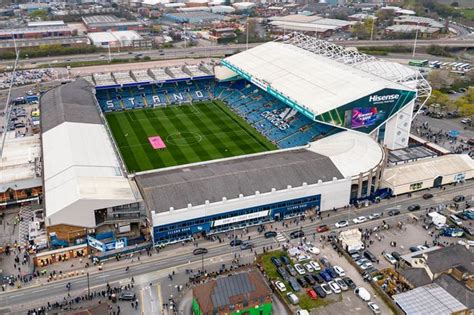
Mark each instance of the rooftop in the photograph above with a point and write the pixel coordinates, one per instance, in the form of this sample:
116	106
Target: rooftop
411	28
231	290
409	154
429	299
456	289
229	178
416	276
73	102
445	258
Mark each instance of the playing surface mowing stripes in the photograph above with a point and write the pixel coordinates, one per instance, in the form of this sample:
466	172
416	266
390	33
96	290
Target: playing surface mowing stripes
192	133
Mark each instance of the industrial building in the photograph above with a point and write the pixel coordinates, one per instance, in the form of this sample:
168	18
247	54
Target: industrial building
312	25
108	23
118	39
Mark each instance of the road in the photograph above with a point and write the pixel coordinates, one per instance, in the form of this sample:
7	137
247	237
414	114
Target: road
169	259
221	50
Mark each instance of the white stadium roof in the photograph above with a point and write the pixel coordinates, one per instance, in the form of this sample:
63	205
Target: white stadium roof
352	153
300	74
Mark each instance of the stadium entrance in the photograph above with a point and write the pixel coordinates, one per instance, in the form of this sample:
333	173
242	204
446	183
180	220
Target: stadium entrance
228	221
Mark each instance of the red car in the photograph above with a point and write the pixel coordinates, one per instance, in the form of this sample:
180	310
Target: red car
322	228
312	294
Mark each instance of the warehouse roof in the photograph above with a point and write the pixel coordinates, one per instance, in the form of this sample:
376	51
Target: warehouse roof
72	102
212	181
429	169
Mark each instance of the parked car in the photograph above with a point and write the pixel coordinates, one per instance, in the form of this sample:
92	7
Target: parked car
308	267
315	265
280	286
300	269
374	308
396	255
370	256
390	258
292	298
285	260
342	223
319	291
326	276
312	294
413	207
334	287
200	251
362	293
270	234
294	284
322	228
302	282
340	272
326	288
291	270
331	272
303	258
325	262
459	198
276	261
317	277
341	284
282	272
349	282
309	279
313	250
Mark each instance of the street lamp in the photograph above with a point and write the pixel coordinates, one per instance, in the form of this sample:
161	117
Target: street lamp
416	38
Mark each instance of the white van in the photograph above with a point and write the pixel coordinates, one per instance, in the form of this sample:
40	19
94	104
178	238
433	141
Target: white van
456	220
293	298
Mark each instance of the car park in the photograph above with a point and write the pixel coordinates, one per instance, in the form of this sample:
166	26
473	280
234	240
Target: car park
315	265
326	288
276	262
200	251
341	284
349	282
319	291
309	267
300	269
292	298
270	234
342	224
334	287
390	258
280	286
302	282
309	279
322	228
340	272
312	294
360	219
374	216
374	308
296	234
291	270
362	293
393	212
413	207
294	284
317	277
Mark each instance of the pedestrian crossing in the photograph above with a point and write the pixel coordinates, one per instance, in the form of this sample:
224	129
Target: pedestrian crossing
281	238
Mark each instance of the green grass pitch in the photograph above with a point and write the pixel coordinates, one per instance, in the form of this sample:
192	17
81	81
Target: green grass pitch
192	133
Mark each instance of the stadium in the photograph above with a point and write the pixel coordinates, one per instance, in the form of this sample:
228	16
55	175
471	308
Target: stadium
273	132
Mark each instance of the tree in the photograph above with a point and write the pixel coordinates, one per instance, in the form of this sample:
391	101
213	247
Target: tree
440	79
40	14
385	16
359	30
438	97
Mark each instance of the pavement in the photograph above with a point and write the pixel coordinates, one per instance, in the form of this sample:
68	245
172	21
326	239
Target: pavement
180	256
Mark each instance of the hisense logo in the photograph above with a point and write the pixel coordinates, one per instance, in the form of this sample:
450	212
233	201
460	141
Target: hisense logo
380	98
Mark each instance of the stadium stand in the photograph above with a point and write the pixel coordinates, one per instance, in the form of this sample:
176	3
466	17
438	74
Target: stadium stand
282	125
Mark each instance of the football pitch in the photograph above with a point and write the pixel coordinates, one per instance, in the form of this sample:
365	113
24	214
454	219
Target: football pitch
191	133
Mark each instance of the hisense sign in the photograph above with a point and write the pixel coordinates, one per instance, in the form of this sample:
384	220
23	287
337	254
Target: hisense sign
383	98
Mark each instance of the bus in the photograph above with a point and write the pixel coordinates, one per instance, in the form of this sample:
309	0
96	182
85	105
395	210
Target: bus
418	63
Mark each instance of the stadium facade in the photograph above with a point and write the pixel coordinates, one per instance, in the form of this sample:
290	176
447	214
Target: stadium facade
329	110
